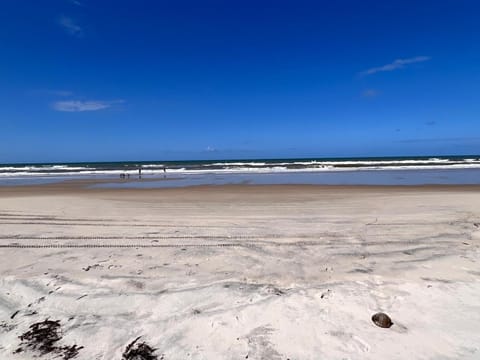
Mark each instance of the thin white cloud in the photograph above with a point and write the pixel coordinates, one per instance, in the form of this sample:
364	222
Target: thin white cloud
51	92
395	65
59	92
448	139
79	106
70	26
76	2
370	93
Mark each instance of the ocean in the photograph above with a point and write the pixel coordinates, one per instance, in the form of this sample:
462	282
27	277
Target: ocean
351	171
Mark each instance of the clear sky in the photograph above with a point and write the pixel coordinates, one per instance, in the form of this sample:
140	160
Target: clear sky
85	80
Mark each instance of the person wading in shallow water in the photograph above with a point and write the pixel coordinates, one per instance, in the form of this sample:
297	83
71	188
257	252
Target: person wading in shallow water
139	173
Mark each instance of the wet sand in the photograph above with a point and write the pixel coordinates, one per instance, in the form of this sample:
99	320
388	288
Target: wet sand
226	272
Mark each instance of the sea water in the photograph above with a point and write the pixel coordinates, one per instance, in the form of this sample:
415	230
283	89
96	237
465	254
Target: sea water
340	171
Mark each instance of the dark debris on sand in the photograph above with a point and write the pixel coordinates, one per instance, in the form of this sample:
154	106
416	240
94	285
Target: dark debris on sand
140	351
5	327
382	320
43	337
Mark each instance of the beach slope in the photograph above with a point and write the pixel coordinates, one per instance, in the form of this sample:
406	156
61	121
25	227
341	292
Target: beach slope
236	272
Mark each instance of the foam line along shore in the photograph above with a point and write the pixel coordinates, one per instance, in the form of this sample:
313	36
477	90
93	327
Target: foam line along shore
238	166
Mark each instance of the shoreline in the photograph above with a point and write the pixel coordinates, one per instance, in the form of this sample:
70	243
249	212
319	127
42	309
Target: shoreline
397	177
88	186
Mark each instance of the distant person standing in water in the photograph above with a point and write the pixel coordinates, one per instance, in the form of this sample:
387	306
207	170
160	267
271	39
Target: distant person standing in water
139	173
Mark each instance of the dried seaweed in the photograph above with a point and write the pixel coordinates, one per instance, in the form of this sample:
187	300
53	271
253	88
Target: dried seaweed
139	351
43	337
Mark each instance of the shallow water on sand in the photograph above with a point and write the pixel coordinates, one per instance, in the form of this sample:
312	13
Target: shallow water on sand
359	177
344	177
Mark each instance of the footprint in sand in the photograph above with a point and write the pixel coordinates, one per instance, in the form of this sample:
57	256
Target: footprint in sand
351	341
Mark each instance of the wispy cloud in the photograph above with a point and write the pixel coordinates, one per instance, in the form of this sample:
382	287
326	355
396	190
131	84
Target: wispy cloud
395	65
59	92
51	92
370	93
79	106
70	26
446	139
76	2
210	149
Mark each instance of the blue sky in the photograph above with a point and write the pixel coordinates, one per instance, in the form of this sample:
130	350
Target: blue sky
85	80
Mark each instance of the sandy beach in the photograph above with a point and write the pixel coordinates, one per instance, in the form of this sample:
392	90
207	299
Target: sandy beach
241	272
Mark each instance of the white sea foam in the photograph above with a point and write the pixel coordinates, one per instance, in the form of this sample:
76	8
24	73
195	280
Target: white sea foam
40	168
241	167
227	163
151	166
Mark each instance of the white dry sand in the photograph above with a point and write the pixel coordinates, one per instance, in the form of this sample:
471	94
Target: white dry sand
257	272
